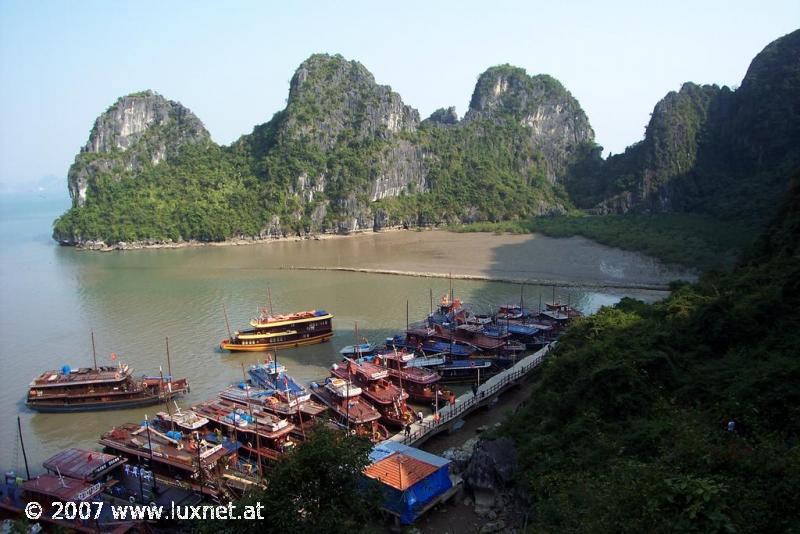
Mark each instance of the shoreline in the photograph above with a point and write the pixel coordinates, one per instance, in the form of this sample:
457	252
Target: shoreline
102	246
484	278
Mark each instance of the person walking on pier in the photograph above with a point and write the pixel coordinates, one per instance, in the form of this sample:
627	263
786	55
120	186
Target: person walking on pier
408	429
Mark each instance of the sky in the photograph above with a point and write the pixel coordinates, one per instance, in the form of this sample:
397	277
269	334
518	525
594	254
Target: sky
63	63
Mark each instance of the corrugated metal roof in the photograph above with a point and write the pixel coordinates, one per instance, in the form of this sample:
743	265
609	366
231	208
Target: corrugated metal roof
82	464
400	471
384	449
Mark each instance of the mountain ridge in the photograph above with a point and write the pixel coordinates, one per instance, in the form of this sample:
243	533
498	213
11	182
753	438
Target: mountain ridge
347	154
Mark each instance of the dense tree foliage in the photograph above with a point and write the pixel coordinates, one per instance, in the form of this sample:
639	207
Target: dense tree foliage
627	428
317	488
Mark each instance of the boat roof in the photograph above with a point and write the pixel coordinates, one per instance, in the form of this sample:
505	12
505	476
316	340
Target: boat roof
265	318
400	471
84	375
388	447
62	488
83	464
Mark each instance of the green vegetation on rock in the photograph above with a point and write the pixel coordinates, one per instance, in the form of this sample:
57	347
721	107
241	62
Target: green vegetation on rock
627	426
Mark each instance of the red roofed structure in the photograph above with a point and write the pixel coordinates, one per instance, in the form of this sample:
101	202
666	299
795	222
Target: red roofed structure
400	471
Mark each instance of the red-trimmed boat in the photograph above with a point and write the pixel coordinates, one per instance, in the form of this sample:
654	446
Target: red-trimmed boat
349	409
376	387
99	388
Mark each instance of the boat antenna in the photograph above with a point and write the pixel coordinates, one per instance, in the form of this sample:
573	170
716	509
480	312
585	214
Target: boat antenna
269	296
521	298
227	324
24	454
94	352
430	290
554	295
169	364
357	345
406	314
540	301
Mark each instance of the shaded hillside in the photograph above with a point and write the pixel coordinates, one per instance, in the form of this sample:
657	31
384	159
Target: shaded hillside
708	149
626	429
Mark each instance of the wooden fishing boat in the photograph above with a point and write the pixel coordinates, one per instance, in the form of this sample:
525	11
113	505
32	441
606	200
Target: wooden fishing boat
421	383
99	388
194	457
387	397
348	408
261	433
270	331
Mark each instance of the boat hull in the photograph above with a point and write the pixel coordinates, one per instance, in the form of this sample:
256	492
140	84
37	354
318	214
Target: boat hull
94	406
226	344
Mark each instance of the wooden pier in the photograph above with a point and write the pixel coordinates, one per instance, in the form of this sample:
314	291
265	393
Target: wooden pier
451	416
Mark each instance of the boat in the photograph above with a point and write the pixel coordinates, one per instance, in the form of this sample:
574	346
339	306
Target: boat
187	420
387	397
356	351
100	388
194	458
273	376
262	434
421	383
352	412
268	331
303	415
419	340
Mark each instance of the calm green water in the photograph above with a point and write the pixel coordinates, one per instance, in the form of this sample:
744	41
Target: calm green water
52	297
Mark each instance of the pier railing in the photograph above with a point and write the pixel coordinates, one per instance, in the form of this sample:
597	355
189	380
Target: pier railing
470	401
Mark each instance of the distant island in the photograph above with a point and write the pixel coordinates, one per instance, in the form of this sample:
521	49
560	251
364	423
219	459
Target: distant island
346	155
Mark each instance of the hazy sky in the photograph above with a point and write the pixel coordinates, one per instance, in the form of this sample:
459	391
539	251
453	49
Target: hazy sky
63	63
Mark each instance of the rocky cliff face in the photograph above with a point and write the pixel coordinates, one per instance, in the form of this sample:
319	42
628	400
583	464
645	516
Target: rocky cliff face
139	129
557	124
346	154
330	96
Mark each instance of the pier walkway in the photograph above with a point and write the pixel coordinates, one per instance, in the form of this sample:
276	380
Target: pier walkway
451	416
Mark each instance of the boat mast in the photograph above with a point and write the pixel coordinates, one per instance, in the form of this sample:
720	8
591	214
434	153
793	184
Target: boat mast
94	352
258	436
357	345
430	290
451	287
227	324
347	396
269	297
149	445
166	401
169	365
24	454
406	314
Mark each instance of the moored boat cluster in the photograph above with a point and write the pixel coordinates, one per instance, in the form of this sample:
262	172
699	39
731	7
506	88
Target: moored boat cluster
218	448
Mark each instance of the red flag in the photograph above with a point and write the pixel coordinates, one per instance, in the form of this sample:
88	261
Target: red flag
113	356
